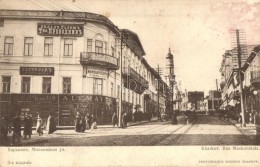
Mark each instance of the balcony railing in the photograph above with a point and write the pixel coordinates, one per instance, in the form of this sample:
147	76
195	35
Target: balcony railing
255	76
134	75
134	81
99	59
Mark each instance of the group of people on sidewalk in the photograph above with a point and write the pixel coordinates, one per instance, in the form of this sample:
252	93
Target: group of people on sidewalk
115	120
12	128
86	122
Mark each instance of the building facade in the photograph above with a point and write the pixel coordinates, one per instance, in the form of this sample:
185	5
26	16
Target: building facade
65	62
231	99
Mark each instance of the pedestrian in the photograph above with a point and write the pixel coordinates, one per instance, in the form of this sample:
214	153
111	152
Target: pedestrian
39	125
240	119
90	121
4	130
174	118
124	120
114	120
9	136
28	123
77	122
83	124
94	122
251	118
16	138
87	121
51	125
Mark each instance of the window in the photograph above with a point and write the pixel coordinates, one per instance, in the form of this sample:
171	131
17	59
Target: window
9	43
48	46
68	47
6	83
98	85
99	47
113	51
133	97
112	89
28	46
89	45
66	85
105	47
46	85
124	94
26	83
128	96
118	91
136	99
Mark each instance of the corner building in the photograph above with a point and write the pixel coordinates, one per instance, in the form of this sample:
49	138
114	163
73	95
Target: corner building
63	62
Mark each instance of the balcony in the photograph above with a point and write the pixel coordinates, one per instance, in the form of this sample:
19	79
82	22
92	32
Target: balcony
99	59
134	75
255	78
134	81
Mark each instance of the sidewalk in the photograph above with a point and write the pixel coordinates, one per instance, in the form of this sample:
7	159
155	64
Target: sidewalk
249	129
69	131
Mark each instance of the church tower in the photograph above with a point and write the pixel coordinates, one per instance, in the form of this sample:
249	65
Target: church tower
170	69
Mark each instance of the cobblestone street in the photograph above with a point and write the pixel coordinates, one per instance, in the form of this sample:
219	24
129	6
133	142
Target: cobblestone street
203	131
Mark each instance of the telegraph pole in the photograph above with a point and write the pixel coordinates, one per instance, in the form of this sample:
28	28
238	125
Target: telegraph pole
240	78
121	82
158	87
217	93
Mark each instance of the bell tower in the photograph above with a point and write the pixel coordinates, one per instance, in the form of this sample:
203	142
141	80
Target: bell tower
170	68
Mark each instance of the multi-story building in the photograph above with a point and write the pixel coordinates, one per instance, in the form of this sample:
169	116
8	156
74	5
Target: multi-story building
214	100
66	62
190	100
230	82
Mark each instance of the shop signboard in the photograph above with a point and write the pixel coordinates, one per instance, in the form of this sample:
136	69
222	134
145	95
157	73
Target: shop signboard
93	72
37	71
56	29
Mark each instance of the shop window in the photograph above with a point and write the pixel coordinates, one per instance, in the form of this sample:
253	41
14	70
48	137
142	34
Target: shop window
99	47
28	46
89	45
8	47
48	46
46	85
6	83
98	85
68	47
66	85
26	84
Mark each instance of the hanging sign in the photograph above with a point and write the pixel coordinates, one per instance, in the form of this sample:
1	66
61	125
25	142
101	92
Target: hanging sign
93	72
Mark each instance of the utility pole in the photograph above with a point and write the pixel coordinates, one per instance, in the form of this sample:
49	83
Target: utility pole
158	87
240	78
212	105
122	36
217	93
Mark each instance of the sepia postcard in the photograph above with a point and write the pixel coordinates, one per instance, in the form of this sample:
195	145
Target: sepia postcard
129	83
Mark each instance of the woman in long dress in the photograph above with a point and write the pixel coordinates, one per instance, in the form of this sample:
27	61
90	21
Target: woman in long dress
39	126
51	125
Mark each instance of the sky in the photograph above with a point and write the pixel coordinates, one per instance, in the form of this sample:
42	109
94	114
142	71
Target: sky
197	31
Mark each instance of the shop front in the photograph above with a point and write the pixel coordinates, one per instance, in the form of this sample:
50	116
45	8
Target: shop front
62	106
